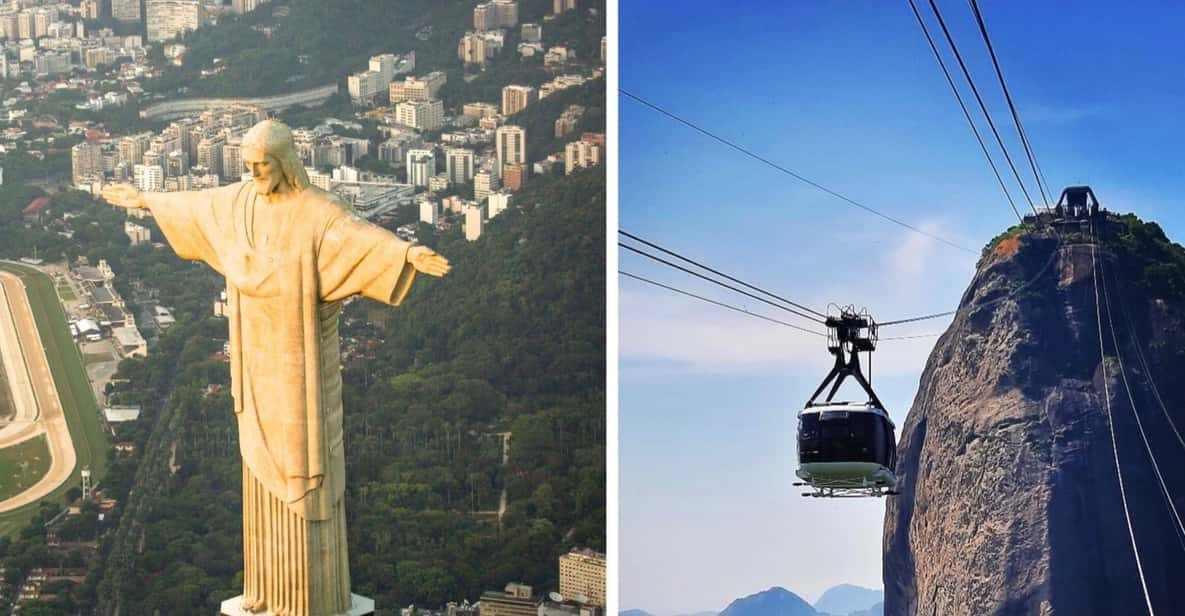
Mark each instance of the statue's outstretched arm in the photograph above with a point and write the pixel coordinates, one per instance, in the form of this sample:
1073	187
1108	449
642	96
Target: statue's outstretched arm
130	197
187	219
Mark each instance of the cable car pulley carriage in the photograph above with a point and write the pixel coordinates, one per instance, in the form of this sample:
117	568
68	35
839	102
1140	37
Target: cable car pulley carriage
847	448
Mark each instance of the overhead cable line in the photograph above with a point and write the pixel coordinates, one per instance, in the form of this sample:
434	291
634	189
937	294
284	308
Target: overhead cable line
793	174
982	106
721	304
1131	331
1135	413
1020	130
719	273
963	106
1111	421
717	282
921	318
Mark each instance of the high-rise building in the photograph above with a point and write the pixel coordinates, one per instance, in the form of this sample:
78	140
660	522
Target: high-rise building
86	159
477	47
582	572
363	87
126	10
25	24
149	178
41	20
459	162
495	14
484	183
232	160
209	154
429	211
89	9
474	225
511	142
10	24
169	18
384	65
515	98
562	6
423	115
421	165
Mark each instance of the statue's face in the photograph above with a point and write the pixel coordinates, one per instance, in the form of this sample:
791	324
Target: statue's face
264	169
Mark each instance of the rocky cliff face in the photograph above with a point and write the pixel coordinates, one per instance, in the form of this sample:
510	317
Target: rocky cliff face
1010	500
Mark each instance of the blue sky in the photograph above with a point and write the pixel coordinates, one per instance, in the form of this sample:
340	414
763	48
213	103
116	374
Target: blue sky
847	94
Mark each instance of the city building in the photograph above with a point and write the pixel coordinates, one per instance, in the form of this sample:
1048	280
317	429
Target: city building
474	225
495	14
364	87
568	120
421	165
517	600
515	98
588	151
459	165
499	202
514	176
479	110
86	160
169	18
429	211
531	33
511	144
136	234
484	183
562	6
149	178
422	115
582	572
126	10
89	9
417	88
477	47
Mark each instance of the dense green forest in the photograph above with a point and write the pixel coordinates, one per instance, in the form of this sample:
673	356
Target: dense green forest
318	43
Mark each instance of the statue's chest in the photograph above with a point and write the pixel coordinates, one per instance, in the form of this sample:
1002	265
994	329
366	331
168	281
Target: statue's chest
269	242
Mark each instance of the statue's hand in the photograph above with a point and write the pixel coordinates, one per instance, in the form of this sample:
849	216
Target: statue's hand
426	260
123	195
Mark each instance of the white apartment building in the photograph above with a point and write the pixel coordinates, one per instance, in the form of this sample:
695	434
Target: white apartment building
511	144
422	115
421	165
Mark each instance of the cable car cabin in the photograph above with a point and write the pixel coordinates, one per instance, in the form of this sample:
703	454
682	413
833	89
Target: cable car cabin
847	449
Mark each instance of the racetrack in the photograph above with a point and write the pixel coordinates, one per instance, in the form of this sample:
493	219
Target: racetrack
38	408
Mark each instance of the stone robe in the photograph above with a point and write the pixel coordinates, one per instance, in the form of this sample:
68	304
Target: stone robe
287	266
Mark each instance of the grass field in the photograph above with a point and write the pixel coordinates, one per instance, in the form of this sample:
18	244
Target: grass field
69	373
66	293
22	465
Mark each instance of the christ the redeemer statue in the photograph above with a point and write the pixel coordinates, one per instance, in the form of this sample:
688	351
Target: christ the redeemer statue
290	253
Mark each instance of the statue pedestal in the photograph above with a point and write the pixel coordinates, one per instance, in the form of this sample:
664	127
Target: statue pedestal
360	606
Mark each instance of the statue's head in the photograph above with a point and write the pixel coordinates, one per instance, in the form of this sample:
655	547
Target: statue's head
269	152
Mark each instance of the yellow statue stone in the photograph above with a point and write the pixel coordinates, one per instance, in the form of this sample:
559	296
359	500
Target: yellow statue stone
290	253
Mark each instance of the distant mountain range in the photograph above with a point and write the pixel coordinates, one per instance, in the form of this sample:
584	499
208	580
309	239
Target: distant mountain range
849	600
842	600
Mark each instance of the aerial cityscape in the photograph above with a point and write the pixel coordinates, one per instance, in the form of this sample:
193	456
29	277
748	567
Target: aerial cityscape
474	413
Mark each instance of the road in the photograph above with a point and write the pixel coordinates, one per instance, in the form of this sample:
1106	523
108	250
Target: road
39	410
